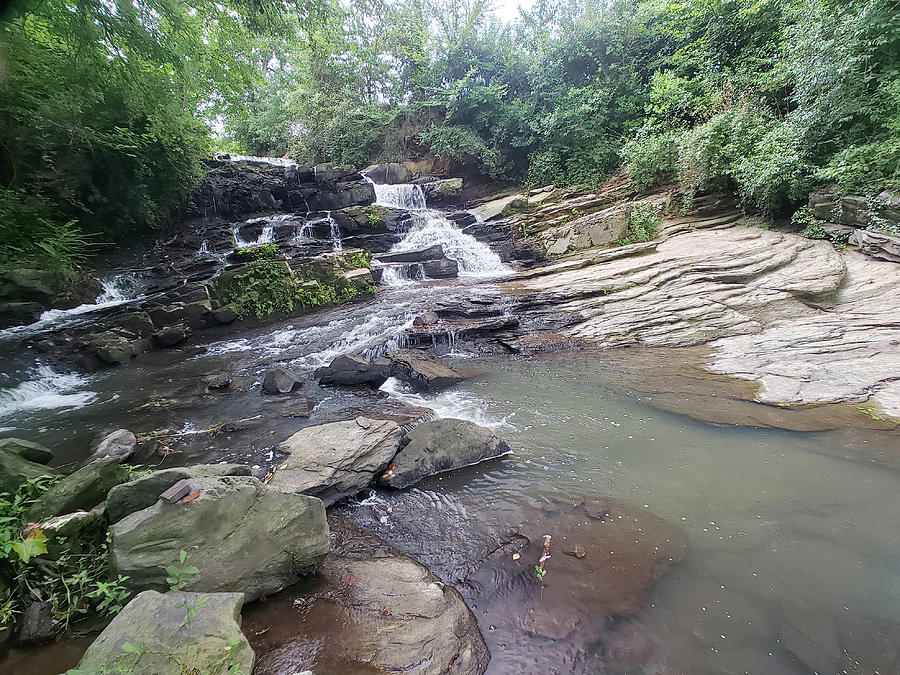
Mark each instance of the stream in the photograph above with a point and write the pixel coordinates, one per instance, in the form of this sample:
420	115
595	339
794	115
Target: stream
785	546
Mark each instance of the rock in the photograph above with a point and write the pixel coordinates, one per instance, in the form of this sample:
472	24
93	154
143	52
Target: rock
28	450
493	208
138	323
877	245
823	205
426	319
21	284
336	460
79	532
248	537
395	617
440	269
224	314
837	232
164	317
361	279
350	370
441	445
141	493
421	371
83	489
443	191
515	205
295	407
15	470
574	550
280	380
19	313
119	445
152	622
388	174
413	255
171	336
36	625
220	380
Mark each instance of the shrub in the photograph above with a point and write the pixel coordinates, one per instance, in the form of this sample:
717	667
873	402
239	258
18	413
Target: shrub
643	224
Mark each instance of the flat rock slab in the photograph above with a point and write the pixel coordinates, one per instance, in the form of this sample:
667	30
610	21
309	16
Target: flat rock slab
336	460
242	535
391	614
151	624
353	370
422	371
441	445
809	323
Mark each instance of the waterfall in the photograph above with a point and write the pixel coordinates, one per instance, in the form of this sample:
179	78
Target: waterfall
335	232
475	259
401	196
45	390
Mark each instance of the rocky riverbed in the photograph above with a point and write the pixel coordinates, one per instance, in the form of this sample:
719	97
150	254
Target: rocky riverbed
369	485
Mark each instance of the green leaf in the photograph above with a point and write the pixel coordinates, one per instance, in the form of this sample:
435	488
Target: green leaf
33	545
129	648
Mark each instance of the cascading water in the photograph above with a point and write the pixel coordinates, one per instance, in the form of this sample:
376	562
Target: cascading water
430	227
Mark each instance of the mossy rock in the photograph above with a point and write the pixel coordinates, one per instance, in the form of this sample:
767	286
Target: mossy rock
15	470
83	489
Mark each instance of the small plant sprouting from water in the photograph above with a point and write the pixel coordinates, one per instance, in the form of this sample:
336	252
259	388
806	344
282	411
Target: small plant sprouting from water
540	570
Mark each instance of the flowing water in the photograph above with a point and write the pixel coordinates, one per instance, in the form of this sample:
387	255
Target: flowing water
790	561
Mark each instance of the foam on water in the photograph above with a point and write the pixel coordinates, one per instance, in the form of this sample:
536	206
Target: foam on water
47	389
459	405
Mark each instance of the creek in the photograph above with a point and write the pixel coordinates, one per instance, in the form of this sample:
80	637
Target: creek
784	545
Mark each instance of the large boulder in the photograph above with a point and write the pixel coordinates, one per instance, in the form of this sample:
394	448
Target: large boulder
421	371
443	191
440	269
395	617
81	490
388	174
352	370
280	380
14	470
29	450
119	444
242	535
442	445
139	494
153	625
336	460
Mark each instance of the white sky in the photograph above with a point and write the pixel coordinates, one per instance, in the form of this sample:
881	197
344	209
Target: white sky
509	9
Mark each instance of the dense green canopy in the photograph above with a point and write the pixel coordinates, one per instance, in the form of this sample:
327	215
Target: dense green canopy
106	105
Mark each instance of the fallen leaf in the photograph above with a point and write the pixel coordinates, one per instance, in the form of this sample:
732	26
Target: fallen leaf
191	497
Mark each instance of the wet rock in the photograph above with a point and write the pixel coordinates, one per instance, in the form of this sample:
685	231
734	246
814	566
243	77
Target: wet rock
426	319
119	445
138	323
351	370
441	445
461	218
295	407
575	550
421	371
36	626
395	617
413	255
336	460
163	317
19	313
73	533
15	470
153	622
877	245
217	380
440	269
361	279
280	380
144	492
83	489
28	285
28	450
171	336
224	315
244	535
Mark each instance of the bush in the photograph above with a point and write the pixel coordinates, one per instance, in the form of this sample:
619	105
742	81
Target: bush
651	158
643	224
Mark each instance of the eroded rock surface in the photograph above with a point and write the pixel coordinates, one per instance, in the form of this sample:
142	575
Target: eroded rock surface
809	323
336	460
243	536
